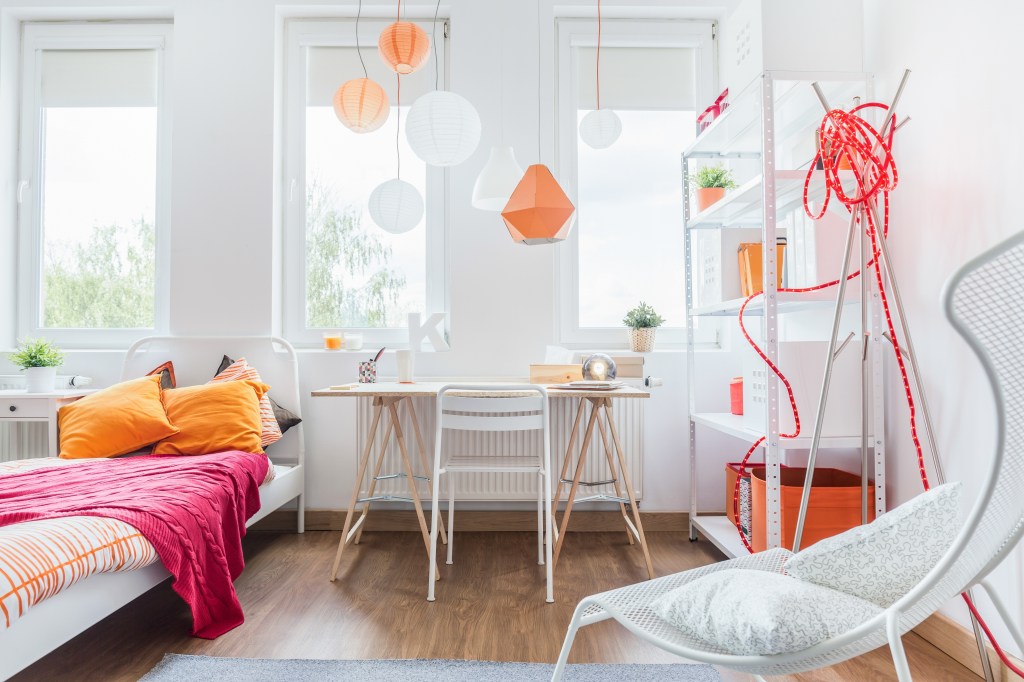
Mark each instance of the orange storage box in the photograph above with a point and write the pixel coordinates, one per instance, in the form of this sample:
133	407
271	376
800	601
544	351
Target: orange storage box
834	505
749	255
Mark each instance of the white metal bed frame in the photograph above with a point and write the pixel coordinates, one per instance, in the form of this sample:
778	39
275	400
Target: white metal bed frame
56	620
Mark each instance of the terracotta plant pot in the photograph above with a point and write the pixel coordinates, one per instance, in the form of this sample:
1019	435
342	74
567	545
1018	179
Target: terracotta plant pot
642	340
708	195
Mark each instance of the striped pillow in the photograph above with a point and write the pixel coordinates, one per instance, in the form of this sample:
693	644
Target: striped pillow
241	370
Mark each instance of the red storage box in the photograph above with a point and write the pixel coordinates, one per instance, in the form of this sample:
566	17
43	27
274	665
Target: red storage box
736	396
834	505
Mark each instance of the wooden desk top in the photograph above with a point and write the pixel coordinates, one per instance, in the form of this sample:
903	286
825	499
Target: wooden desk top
384	389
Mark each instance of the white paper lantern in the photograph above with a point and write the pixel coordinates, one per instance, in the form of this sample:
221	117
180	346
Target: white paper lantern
443	128
396	206
600	128
497	180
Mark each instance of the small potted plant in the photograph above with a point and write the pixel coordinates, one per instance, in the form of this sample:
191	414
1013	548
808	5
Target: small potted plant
642	322
710	183
39	359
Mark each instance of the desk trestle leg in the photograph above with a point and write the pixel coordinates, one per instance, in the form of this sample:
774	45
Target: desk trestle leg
601	418
352	532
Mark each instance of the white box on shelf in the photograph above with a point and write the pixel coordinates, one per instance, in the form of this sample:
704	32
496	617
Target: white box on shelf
803	364
789	35
716	267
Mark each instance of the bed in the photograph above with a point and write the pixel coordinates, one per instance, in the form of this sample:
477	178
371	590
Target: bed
57	619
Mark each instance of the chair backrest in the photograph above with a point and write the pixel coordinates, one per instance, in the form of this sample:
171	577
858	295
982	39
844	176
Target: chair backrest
497	407
983	301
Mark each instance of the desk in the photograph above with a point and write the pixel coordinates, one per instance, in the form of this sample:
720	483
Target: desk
18	406
389	396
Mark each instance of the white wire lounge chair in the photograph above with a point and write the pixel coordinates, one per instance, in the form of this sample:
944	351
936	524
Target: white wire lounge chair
983	301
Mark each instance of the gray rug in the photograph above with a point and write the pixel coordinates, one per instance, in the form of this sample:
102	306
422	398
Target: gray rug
174	668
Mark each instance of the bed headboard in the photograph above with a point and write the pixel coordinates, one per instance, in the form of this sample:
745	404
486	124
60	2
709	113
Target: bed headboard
196	359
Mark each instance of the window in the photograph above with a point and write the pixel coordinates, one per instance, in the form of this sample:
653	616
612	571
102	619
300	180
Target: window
93	177
627	245
342	271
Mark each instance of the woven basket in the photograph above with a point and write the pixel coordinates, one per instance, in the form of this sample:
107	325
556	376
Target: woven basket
642	340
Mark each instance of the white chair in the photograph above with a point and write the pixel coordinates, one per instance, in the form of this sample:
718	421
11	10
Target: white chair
983	302
503	407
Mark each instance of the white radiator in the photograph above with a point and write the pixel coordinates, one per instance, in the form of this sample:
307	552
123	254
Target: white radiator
629	422
21	440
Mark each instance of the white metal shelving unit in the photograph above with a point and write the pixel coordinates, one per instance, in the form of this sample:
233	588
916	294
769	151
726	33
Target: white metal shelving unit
775	109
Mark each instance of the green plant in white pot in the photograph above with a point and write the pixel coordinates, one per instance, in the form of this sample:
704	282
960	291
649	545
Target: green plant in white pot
39	359
642	322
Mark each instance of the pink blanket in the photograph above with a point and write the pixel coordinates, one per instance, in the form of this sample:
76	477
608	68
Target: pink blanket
192	509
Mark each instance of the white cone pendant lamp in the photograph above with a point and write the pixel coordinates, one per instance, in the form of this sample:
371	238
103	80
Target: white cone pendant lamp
396	206
443	128
497	180
600	128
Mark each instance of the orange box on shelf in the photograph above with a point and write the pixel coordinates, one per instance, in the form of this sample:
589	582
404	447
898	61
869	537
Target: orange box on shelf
750	259
834	505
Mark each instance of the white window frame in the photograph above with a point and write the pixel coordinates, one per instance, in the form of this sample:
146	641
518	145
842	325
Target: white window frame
299	35
572	33
36	37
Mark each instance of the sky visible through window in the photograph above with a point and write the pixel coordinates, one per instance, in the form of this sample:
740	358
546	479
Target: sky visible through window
349	166
98	172
631	219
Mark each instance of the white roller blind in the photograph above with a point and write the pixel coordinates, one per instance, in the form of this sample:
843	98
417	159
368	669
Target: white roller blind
99	78
328	67
640	78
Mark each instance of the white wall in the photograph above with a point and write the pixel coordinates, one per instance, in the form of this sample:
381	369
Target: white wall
225	233
959	172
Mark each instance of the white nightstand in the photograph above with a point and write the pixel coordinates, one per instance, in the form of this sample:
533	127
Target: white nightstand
19	406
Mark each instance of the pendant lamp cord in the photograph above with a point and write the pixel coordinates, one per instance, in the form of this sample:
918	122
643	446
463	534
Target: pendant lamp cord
433	42
359	50
398	106
501	80
398	121
538	84
597	76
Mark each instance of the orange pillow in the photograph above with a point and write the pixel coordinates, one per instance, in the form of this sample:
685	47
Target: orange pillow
213	418
114	421
242	370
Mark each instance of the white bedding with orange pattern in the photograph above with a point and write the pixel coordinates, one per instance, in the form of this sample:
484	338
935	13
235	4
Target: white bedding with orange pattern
39	559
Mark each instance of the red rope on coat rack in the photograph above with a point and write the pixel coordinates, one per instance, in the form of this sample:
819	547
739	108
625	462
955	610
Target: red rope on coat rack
846	134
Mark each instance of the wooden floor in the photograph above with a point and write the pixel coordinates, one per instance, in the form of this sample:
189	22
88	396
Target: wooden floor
490	606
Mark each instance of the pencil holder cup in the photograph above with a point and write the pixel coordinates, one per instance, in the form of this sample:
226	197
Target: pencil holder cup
368	372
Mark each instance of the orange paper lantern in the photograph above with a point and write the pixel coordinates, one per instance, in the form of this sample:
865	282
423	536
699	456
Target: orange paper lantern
404	46
361	104
538	212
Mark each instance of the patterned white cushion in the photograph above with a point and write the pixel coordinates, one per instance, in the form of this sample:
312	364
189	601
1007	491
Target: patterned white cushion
883	560
747	612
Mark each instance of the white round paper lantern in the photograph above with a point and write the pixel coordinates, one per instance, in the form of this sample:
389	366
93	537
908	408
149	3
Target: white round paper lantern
600	128
396	206
443	128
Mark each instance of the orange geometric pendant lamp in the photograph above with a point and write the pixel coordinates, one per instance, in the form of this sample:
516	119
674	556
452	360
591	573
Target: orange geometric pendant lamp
538	212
